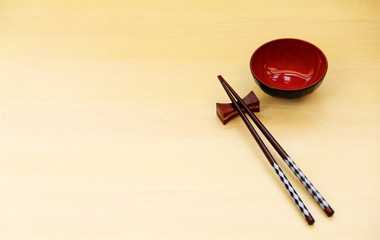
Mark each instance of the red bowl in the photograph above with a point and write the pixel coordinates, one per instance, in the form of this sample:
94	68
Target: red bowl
288	67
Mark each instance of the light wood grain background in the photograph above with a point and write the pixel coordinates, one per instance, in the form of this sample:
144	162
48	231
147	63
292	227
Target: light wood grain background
108	127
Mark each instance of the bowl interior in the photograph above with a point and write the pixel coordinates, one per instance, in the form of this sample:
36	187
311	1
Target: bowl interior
288	64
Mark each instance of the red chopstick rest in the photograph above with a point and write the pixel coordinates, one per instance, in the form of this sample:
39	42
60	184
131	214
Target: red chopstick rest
227	111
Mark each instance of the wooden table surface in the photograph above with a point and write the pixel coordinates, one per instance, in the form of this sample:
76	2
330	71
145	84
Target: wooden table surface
108	125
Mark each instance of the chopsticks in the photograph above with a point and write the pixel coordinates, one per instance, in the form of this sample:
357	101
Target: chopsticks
291	164
238	102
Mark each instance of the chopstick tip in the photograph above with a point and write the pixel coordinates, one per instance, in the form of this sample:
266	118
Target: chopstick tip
221	79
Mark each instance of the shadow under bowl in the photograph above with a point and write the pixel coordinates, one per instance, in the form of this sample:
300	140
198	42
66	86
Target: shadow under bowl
288	67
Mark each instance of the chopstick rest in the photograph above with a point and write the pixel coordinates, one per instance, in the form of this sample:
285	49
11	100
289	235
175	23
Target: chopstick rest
227	111
295	169
292	192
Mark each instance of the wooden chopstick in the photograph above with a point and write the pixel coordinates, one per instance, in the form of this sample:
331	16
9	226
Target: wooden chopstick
301	206
291	164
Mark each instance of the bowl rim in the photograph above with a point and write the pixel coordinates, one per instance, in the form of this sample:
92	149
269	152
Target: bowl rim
290	90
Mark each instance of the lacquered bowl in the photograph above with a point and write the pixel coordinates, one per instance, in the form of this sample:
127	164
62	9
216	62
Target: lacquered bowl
288	67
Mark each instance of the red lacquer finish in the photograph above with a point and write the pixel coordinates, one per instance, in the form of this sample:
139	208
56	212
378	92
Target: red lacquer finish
288	67
329	211
310	220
